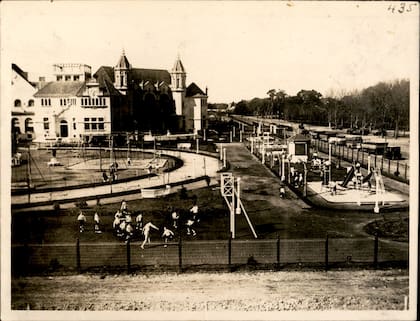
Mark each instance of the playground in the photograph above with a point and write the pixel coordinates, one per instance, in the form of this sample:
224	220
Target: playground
358	189
61	167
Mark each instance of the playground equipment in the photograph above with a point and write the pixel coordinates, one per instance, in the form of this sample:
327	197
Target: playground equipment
379	190
232	197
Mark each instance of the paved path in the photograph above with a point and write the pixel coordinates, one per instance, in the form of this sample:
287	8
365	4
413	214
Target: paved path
195	165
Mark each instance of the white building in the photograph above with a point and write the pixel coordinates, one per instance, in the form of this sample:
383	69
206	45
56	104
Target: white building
23	103
71	110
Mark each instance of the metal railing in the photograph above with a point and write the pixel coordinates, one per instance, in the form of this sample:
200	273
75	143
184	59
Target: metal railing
392	168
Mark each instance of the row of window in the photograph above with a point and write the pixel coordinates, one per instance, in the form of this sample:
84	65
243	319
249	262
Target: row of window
90	124
67	101
18	103
28	125
45	102
100	101
68	78
94	124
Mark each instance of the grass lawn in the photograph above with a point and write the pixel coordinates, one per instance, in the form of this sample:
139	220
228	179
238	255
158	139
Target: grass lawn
268	214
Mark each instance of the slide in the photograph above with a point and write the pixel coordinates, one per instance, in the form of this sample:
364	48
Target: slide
367	177
348	177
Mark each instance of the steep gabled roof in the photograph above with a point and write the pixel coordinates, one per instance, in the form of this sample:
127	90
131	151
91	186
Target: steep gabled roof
105	77
22	73
178	66
61	89
123	62
194	90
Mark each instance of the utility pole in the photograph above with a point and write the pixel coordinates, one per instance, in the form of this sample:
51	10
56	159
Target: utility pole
28	176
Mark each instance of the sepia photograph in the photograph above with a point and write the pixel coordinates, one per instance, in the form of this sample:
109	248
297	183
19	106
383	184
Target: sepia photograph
209	160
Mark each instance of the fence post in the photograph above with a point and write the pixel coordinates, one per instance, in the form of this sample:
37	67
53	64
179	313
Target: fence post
405	171
382	163
180	254
398	166
78	255
230	251
363	158
326	253
375	160
389	166
128	256
375	251
278	252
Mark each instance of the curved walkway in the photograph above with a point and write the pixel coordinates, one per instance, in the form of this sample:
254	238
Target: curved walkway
195	166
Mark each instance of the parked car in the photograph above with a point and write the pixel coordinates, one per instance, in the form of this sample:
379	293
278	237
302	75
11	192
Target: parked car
379	132
393	152
358	131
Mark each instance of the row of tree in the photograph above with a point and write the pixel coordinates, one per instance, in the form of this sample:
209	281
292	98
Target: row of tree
383	106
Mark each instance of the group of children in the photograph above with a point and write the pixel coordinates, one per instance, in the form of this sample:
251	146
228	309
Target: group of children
126	229
81	219
113	176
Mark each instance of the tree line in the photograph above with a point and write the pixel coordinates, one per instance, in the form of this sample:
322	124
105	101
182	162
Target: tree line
384	106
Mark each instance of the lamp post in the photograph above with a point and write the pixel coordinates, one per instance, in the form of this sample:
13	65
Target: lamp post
282	168
329	160
238	185
305	182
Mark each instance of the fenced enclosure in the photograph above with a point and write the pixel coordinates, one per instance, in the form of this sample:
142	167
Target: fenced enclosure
181	255
391	168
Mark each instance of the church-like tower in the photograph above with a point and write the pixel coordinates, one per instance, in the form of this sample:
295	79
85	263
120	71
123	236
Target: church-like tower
178	85
122	74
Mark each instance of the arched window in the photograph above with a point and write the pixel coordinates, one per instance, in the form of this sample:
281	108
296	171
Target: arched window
18	103
29	125
15	126
31	103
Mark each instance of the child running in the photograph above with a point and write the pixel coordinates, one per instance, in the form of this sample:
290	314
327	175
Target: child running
175	218
81	218
146	233
97	221
139	222
167	235
189	224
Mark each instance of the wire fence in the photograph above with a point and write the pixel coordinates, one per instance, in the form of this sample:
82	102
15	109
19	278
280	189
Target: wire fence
231	253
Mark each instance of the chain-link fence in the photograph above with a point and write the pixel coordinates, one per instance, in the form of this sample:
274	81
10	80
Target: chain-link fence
277	253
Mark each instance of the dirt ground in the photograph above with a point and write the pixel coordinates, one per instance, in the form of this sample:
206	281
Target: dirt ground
249	291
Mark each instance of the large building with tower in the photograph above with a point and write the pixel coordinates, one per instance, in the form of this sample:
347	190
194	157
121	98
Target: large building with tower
80	106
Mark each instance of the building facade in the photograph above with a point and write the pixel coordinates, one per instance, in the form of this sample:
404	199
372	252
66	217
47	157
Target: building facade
71	110
78	106
23	104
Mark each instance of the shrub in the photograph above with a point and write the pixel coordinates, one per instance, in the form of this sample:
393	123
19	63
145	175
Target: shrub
81	204
56	207
183	193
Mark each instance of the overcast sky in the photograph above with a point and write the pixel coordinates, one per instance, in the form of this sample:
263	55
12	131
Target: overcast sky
239	50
